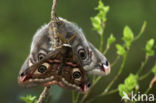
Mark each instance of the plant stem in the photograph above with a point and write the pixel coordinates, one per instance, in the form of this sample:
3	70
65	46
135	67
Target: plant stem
53	29
43	95
108	93
145	75
102	36
142	65
77	97
73	97
147	91
152	82
106	50
141	31
115	61
101	42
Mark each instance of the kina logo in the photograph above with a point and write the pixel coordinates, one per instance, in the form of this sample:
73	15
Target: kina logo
138	97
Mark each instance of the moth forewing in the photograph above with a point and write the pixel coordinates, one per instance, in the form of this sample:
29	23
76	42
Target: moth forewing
28	74
56	68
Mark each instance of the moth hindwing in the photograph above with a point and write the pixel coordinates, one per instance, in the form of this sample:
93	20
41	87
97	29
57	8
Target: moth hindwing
61	67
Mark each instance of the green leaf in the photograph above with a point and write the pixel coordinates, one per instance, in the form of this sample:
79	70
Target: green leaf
154	69
29	99
111	39
128	36
149	46
131	82
99	20
120	50
96	22
121	89
102	7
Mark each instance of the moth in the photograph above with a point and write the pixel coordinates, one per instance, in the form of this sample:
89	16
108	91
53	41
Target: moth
93	61
61	67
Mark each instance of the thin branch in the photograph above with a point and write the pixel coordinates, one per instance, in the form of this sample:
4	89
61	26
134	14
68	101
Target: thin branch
145	75
115	61
152	82
141	31
53	26
106	50
148	90
97	96
77	98
43	95
53	10
73	97
143	65
53	35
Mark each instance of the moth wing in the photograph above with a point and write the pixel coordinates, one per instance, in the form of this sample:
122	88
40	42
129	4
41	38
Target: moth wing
25	65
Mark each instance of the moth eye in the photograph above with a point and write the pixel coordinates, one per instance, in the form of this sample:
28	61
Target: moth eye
82	53
41	56
107	63
76	75
42	69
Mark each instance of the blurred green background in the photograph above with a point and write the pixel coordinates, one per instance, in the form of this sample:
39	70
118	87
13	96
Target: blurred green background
19	20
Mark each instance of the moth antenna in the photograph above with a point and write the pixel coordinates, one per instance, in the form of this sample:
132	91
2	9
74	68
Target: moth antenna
62	38
71	38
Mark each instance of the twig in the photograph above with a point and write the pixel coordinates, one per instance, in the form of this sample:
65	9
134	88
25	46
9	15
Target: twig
53	36
152	82
77	97
53	26
43	95
53	10
115	61
147	91
143	65
145	75
97	96
102	37
141	31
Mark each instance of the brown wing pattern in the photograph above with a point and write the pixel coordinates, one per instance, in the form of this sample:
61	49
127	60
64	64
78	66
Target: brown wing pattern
60	67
